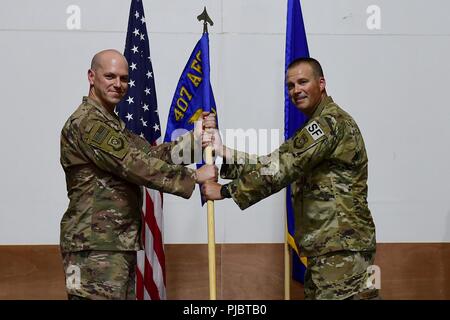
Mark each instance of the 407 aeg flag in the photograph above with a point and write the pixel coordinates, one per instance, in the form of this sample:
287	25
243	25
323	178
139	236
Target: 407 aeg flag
193	94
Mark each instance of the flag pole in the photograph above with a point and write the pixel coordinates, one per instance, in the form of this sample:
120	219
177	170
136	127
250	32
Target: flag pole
210	204
287	265
211	237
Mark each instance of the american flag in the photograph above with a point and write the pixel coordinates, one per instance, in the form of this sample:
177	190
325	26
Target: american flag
139	111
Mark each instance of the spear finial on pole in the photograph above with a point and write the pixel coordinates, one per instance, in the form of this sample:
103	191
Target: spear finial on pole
206	19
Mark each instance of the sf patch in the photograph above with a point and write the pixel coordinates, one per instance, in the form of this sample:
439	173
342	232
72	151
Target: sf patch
107	139
314	130
309	136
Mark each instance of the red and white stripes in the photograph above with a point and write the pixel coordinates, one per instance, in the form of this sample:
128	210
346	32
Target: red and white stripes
151	269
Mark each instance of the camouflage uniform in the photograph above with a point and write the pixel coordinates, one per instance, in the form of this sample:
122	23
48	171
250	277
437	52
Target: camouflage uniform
326	164
104	165
339	275
95	274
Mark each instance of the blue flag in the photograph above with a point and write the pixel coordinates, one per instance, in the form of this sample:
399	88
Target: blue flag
193	94
296	47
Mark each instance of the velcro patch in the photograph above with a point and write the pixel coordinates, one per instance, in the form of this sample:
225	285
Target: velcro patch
105	138
300	141
116	143
100	134
314	130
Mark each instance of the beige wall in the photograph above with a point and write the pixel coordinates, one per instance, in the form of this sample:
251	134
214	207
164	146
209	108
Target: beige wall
391	80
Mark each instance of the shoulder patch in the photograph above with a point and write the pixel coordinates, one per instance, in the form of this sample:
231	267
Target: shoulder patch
117	143
314	130
310	135
107	139
100	134
300	141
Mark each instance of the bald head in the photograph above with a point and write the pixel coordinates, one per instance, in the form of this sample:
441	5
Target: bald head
108	78
107	55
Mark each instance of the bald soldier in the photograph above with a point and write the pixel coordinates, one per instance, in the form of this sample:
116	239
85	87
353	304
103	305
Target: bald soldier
105	165
326	164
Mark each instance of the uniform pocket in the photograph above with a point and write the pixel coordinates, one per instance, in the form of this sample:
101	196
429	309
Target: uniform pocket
319	187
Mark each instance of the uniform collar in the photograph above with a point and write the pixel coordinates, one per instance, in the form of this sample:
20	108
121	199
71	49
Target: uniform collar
116	120
325	101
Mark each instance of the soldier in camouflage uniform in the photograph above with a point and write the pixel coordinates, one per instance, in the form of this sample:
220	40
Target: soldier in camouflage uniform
325	163
105	165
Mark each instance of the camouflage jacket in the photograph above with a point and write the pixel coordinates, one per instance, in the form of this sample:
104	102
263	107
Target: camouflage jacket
326	164
104	165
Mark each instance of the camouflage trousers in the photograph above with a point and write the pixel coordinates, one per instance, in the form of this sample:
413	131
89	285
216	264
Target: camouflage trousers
100	275
340	275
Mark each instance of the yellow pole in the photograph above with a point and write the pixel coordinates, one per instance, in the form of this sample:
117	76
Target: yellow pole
211	237
210	204
287	267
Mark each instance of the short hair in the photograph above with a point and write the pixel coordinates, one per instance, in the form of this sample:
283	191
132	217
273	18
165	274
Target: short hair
315	65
